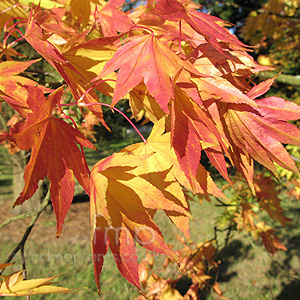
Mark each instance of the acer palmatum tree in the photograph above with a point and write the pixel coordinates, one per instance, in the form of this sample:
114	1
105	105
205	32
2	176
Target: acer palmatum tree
180	69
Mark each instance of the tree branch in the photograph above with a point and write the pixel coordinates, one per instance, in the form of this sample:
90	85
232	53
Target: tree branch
18	217
283	78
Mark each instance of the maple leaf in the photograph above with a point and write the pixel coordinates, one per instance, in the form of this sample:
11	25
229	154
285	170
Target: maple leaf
273	107
84	61
267	195
146	58
221	89
236	66
112	20
15	285
77	64
206	25
161	170
245	217
12	86
269	239
87	126
54	152
278	108
122	205
261	88
261	137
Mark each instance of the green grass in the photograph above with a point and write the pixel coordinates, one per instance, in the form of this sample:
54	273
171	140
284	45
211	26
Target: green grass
247	271
76	266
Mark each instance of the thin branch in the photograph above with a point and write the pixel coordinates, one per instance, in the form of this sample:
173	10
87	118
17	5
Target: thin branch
29	228
18	217
223	203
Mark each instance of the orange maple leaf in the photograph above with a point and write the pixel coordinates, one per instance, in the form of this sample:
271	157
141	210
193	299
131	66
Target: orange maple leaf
54	152
111	19
146	58
206	25
261	137
164	158
267	195
269	239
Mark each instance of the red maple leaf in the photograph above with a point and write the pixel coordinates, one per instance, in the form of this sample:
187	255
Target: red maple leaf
54	152
206	25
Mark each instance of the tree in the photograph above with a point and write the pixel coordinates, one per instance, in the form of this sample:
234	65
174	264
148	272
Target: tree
180	69
274	30
233	11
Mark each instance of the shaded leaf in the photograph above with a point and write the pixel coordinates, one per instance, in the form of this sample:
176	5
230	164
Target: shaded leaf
121	205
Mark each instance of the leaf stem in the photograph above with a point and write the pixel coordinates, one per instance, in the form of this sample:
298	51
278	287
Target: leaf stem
142	27
117	110
14	42
6	30
80	104
90	88
179	49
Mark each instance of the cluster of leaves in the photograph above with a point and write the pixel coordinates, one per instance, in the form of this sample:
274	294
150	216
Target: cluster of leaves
196	262
245	207
179	68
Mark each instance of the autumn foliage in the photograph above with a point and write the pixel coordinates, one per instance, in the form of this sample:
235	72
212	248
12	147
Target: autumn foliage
14	285
180	69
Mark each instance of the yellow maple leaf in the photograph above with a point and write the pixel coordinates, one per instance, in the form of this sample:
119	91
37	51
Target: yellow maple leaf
15	285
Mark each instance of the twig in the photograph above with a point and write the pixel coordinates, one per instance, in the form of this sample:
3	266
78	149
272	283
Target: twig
29	228
223	203
18	217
